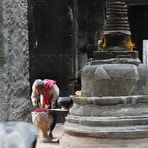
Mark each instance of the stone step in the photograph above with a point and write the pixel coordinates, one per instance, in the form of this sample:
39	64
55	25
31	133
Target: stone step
116	7
125	24
109	111
116	28
116	22
114	19
109	121
111	100
111	132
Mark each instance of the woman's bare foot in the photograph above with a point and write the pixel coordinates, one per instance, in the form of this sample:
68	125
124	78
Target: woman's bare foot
50	135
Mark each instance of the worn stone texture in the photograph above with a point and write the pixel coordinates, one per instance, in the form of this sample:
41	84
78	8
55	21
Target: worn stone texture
103	79
14	88
50	41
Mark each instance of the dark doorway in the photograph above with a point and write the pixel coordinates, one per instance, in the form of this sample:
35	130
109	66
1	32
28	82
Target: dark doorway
138	24
50	37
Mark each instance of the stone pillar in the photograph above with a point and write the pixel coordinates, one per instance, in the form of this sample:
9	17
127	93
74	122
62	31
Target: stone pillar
14	99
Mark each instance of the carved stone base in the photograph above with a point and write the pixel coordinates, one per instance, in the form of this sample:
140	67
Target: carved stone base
115	121
112	110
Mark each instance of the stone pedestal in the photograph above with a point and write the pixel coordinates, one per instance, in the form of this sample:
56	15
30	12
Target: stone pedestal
119	121
112	110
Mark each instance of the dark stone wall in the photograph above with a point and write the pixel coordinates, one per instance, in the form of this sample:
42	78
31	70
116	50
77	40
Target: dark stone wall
14	61
138	24
62	36
90	22
137	2
50	34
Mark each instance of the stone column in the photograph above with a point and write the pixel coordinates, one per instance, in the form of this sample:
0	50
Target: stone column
3	100
14	100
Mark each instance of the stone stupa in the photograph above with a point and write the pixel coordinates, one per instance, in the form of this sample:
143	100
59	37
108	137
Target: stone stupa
112	110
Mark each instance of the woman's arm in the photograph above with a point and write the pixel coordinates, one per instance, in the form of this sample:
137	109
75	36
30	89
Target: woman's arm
54	92
34	96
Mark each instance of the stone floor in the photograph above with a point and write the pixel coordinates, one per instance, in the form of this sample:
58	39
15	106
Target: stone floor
57	133
103	143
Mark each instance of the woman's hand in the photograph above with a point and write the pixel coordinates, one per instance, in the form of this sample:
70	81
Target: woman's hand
34	103
47	106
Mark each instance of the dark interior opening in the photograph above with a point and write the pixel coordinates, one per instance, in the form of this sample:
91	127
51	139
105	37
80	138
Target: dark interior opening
138	24
50	48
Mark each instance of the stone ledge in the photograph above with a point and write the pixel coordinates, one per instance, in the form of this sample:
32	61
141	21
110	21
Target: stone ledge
108	121
103	55
127	132
109	100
